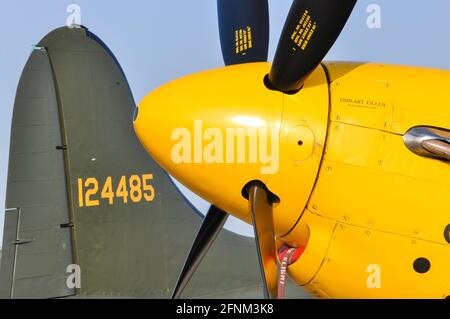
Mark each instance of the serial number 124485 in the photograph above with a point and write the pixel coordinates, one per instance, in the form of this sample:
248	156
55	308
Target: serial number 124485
133	188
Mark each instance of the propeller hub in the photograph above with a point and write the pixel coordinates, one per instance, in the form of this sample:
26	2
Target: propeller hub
218	130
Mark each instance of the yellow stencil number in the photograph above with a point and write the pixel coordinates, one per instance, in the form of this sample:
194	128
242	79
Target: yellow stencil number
91	185
107	192
136	188
149	191
122	189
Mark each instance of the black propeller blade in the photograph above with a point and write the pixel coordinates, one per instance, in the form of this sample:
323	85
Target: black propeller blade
244	30
210	229
260	203
310	31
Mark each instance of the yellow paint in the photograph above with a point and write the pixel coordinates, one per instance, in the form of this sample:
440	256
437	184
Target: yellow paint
383	176
305	117
317	232
365	205
80	193
122	189
91	185
135	187
420	95
304	30
235	100
107	192
344	273
177	106
391	205
244	40
147	187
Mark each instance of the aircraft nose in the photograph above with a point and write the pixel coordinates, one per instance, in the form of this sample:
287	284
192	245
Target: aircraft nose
214	132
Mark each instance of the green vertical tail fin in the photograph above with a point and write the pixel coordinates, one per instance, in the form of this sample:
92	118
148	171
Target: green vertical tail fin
89	213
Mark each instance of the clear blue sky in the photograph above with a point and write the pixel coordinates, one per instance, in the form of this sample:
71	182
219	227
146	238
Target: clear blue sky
157	41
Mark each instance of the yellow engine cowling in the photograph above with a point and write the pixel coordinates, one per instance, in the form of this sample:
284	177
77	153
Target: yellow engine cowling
186	126
378	216
373	214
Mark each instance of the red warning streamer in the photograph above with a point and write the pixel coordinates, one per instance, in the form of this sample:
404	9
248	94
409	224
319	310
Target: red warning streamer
288	256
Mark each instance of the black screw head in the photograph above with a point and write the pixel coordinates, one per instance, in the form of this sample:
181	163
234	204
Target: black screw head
422	265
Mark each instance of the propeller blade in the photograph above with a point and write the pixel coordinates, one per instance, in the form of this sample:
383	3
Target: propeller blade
244	30
261	208
210	229
310	31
